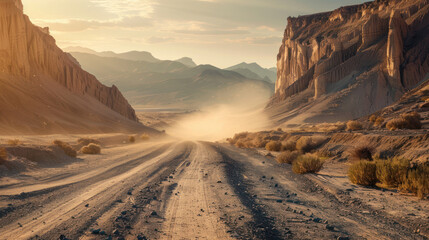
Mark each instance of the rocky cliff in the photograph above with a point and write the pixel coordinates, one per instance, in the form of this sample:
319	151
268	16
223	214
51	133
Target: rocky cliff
29	52
357	59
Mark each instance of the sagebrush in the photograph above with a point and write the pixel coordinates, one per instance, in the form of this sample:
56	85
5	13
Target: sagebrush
287	157
307	164
362	153
87	141
92	148
67	148
274	146
392	172
406	121
363	173
354	126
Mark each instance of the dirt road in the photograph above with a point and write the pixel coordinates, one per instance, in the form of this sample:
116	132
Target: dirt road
198	190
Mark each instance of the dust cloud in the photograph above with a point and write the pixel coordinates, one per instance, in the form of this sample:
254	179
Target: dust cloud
241	109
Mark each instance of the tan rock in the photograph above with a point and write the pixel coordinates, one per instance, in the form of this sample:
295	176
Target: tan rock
29	51
365	55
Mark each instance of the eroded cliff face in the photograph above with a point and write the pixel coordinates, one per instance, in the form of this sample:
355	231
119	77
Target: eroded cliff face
30	52
383	43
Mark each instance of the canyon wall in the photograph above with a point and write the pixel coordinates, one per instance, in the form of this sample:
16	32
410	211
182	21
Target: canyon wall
30	52
321	50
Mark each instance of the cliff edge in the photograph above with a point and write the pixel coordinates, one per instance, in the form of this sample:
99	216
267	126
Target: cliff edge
29	52
350	62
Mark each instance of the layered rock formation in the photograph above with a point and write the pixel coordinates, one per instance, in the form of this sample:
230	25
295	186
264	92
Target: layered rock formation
374	52
29	52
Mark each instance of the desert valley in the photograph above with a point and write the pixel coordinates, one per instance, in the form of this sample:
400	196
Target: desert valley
332	143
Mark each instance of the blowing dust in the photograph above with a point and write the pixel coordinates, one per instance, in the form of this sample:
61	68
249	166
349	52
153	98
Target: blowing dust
242	112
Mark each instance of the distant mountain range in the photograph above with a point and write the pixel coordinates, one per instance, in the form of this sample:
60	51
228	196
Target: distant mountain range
153	83
253	70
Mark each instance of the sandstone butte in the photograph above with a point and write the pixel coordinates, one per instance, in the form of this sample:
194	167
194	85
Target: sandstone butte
352	61
29	52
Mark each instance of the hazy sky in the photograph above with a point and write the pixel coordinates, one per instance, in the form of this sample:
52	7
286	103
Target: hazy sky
217	32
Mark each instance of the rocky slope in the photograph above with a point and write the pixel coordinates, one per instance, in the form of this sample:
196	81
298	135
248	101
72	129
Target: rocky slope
350	62
28	52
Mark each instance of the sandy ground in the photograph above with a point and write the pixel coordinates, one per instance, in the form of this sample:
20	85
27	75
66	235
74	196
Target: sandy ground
198	190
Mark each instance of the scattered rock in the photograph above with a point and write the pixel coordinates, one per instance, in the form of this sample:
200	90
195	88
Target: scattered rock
154	213
96	231
87	205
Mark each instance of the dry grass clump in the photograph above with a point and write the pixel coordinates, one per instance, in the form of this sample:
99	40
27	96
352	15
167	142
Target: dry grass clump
287	157
92	148
363	173
14	142
372	118
362	153
68	150
354	126
289	146
87	141
417	181
145	137
308	144
379	121
237	137
307	164
392	172
3	155
274	146
406	121
131	139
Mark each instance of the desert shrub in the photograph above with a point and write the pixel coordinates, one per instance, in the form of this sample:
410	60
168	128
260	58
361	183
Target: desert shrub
406	121
305	144
238	136
372	118
362	153
289	146
87	141
417	181
131	139
379	121
363	173
3	155
145	137
14	142
279	129
354	126
240	143
92	148
287	157
68	150
307	164
245	143
392	172
275	146
259	142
